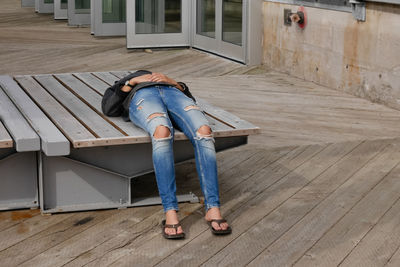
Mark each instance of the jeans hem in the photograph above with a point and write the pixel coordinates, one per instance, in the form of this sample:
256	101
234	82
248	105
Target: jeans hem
209	206
171	208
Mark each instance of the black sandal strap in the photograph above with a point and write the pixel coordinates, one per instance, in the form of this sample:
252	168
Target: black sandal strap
218	221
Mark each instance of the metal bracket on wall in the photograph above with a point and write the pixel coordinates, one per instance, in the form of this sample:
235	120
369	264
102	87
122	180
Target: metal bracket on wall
358	9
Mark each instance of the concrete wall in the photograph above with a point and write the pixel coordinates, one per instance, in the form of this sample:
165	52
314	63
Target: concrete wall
335	50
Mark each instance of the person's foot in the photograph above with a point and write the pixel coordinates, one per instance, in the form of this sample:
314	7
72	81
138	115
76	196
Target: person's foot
171	218
215	214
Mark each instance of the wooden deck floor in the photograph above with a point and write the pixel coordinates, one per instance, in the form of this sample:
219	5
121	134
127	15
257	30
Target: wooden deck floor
319	187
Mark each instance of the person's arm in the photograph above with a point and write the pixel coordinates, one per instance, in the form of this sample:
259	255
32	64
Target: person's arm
115	95
111	104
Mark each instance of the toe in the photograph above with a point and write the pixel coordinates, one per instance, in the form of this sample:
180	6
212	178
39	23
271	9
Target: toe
180	231
216	226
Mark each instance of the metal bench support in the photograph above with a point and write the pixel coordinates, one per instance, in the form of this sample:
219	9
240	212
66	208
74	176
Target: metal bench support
18	180
101	177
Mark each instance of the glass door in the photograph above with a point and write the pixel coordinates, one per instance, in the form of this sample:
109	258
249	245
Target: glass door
158	23
79	12
220	27
27	3
60	9
44	6
109	18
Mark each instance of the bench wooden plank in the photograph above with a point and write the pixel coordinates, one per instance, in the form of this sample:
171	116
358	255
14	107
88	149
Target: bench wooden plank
64	120
79	96
121	74
24	136
239	125
84	113
5	139
106	77
53	142
93	99
92	81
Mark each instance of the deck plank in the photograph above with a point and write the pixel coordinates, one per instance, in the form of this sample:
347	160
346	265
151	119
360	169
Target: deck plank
395	259
343	237
275	224
54	234
132	222
11	218
381	243
29	227
295	242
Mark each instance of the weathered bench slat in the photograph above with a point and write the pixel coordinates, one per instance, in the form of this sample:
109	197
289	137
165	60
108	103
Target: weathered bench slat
53	142
5	138
106	77
121	74
95	83
235	122
24	136
93	99
64	120
79	109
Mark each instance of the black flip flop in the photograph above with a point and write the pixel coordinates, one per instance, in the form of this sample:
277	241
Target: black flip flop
174	226
227	231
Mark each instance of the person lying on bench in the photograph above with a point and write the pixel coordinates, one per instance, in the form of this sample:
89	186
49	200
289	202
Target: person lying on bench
155	103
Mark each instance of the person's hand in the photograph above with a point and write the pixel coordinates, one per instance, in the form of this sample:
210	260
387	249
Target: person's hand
140	79
135	81
159	77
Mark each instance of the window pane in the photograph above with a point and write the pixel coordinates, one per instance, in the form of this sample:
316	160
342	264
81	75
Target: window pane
114	11
232	21
48	1
158	16
64	4
82	6
206	18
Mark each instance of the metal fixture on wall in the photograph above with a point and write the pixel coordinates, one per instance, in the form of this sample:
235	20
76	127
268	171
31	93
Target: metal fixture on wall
298	17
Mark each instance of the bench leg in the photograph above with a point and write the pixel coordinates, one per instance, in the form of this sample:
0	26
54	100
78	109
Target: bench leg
18	179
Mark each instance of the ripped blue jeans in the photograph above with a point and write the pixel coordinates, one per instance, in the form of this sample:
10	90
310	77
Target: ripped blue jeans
156	106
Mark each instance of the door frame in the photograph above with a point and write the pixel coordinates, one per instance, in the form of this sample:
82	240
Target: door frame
252	33
42	7
217	45
75	19
27	3
60	13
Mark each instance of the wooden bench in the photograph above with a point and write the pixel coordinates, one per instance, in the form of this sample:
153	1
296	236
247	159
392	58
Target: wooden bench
18	158
106	153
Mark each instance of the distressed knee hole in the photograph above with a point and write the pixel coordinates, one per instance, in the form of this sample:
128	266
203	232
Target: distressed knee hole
191	107
162	132
204	131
